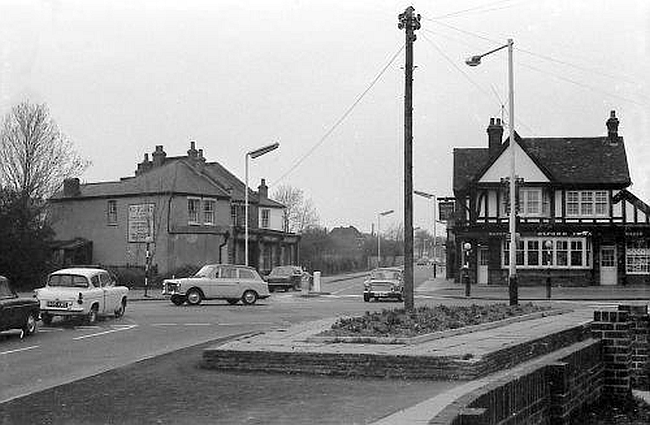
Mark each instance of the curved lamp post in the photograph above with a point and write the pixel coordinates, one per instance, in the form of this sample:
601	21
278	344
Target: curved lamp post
379	216
474	61
435	236
253	154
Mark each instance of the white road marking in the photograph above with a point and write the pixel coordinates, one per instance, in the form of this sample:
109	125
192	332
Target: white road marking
2	353
121	328
87	328
164	324
197	324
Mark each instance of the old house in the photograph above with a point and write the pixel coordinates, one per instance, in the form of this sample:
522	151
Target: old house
183	210
577	222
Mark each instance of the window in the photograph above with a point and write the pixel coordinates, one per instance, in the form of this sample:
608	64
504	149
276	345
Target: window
587	203
531	201
111	213
228	273
266	218
208	211
537	252
193	208
246	274
637	257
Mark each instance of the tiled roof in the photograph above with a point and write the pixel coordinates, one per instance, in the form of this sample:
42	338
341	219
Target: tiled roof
568	160
221	174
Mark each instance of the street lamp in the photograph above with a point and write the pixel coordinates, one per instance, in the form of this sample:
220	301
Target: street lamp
253	154
467	247
435	236
474	61
379	216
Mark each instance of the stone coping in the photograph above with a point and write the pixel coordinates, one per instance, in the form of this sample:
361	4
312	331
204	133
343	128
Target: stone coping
435	335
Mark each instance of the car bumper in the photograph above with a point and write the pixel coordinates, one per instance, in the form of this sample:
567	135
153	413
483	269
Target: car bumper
58	312
383	294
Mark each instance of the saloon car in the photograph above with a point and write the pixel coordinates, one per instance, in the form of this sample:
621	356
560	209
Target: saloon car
82	292
16	312
384	283
218	281
287	277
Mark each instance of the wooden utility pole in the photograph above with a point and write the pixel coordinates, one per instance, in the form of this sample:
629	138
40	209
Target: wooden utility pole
409	22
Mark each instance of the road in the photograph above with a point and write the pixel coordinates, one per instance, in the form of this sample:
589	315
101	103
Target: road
68	351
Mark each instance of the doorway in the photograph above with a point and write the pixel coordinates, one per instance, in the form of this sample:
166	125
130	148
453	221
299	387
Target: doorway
608	268
483	260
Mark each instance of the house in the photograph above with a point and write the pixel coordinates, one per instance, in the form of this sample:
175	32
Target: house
577	222
180	210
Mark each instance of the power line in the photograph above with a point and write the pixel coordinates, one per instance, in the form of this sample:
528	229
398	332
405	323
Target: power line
475	9
347	112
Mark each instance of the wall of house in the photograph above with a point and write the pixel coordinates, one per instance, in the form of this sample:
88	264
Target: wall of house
276	221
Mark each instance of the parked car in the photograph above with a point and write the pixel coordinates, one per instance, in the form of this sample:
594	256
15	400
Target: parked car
16	312
218	281
423	261
384	283
287	277
82	292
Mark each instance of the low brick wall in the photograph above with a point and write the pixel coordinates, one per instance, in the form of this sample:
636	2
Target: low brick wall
385	366
552	390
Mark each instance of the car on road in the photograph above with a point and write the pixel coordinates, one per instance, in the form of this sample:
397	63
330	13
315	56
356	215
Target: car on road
287	277
218	281
86	292
17	312
384	283
423	261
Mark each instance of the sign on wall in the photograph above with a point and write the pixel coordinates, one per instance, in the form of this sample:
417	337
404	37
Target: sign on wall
141	223
446	210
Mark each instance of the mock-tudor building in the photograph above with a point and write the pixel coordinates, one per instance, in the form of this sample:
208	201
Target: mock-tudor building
577	222
187	210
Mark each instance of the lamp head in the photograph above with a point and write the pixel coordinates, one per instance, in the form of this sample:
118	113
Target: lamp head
467	246
473	61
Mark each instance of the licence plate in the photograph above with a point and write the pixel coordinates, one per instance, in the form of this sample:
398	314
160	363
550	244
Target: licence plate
57	304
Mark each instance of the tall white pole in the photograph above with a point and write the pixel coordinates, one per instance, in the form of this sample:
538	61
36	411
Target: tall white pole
435	238
513	187
378	240
246	216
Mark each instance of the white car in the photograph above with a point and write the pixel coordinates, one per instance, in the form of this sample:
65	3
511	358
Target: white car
218	281
82	292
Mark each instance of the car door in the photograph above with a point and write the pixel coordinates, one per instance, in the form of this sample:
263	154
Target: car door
228	282
110	292
97	292
247	280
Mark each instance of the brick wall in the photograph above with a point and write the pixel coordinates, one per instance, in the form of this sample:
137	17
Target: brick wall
552	391
640	332
613	328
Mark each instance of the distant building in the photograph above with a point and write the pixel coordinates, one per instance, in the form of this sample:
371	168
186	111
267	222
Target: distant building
187	210
577	222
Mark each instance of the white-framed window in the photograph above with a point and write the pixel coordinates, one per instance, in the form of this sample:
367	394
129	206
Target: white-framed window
193	210
550	252
587	203
530	202
265	220
111	213
209	211
637	257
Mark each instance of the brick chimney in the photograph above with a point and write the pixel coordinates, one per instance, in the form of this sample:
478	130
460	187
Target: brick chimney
495	134
612	128
71	188
192	153
158	156
263	190
144	166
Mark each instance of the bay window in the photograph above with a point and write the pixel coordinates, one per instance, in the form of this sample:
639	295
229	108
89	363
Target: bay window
550	252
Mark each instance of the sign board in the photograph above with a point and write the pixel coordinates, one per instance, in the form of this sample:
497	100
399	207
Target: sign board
446	210
141	223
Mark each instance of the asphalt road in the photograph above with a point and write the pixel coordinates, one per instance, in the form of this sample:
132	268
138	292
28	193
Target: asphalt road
67	351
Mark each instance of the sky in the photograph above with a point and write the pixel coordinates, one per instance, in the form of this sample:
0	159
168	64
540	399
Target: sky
325	79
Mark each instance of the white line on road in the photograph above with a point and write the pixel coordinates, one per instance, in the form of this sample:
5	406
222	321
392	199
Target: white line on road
164	324
2	353
197	324
124	328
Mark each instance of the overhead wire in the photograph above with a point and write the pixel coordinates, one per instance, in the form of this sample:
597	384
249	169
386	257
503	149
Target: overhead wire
338	122
476	9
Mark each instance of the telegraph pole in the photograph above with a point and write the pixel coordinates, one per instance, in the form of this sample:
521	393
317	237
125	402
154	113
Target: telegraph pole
409	22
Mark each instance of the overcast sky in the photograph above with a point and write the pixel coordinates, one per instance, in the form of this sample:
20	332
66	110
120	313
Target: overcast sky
121	76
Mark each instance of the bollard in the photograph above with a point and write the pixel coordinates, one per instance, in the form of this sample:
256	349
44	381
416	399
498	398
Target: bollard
316	282
465	275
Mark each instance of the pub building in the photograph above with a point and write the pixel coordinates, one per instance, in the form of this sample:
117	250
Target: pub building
577	222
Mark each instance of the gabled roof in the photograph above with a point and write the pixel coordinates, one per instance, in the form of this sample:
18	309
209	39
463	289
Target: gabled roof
565	160
634	200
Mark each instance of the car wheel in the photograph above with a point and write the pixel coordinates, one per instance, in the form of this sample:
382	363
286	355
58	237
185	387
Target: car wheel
232	301
30	325
119	312
46	318
178	299
249	297
91	317
366	298
194	297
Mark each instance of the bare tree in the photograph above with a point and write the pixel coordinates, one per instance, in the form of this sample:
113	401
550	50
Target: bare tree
300	213
35	157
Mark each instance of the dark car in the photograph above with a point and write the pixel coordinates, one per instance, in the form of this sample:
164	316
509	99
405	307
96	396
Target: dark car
287	277
16	312
384	283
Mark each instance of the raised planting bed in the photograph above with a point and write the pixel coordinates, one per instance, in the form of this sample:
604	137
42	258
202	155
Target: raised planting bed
398	325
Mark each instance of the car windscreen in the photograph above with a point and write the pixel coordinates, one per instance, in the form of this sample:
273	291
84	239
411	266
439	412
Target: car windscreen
281	271
206	271
5	290
67	281
384	275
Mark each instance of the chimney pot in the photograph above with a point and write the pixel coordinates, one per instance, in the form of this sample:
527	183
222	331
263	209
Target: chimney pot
71	187
263	190
495	134
158	156
612	128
